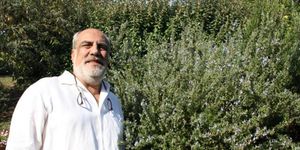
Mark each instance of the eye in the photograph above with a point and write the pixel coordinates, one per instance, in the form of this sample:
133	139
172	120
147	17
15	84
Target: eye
102	47
86	46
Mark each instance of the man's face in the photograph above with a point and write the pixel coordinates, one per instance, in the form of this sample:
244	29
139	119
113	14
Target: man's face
90	56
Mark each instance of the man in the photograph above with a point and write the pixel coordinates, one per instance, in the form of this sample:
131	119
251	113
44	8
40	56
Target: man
74	111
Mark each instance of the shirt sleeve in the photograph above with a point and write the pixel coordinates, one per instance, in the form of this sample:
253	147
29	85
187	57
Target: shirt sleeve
28	121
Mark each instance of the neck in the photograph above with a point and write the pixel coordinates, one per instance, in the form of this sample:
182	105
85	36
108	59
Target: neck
94	90
93	87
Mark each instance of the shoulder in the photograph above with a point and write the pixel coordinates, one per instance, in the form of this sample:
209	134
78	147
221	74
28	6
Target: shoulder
35	96
43	84
40	88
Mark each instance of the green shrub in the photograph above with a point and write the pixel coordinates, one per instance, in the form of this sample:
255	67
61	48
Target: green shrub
190	74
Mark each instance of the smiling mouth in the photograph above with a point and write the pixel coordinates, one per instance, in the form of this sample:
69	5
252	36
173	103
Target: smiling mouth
95	61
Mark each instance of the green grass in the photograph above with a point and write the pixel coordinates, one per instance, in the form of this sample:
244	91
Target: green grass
6	81
4	126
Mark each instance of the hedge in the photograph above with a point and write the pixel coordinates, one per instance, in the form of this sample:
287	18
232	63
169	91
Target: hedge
190	74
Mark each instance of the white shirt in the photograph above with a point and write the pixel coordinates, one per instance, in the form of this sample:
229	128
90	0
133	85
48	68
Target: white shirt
50	116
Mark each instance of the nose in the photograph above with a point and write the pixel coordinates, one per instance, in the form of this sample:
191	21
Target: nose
94	50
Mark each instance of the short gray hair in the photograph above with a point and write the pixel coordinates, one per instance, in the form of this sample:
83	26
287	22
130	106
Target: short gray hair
75	38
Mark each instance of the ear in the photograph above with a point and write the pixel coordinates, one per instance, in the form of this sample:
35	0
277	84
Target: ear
73	55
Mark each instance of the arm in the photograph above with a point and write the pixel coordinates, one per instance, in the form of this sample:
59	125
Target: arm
28	121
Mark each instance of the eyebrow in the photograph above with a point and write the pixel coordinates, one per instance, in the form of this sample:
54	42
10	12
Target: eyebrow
104	45
86	42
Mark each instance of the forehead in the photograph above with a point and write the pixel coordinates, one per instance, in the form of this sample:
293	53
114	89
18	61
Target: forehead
91	35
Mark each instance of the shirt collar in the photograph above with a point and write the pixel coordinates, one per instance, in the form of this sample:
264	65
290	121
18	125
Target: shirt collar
69	79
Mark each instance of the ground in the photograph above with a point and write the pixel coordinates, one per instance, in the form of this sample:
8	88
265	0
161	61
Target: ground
7	103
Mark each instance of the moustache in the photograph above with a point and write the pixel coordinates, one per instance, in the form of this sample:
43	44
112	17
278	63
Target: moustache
95	59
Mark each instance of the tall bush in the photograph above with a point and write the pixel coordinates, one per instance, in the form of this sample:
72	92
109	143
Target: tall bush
190	74
230	90
36	36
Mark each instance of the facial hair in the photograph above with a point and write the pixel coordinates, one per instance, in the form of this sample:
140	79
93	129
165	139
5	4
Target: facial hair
90	74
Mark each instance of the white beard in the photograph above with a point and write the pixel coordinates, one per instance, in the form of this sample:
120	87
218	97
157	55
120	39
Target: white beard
92	76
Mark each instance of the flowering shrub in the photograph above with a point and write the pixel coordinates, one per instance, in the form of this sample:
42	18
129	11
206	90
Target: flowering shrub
3	137
190	74
194	90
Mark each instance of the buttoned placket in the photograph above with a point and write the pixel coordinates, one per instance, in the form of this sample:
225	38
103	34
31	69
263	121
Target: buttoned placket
98	107
103	95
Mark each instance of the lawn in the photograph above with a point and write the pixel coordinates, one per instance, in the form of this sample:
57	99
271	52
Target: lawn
6	107
6	81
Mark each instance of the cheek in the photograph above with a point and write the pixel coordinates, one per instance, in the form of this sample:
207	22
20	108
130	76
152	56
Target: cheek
104	54
77	59
81	54
73	57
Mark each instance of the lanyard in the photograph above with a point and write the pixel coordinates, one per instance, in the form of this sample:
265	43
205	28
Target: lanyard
80	99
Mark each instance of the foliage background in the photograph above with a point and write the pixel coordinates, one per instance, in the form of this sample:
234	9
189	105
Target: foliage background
201	74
